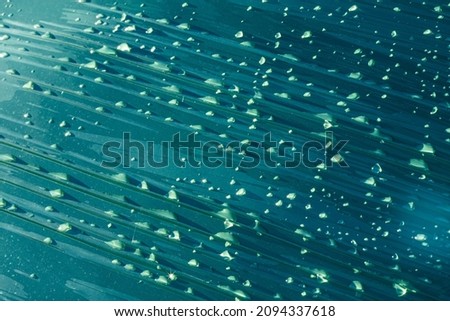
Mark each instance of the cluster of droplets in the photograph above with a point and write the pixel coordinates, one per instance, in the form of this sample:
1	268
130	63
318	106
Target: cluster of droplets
124	67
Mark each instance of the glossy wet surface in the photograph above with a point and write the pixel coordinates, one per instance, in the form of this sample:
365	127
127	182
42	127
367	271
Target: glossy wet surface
75	75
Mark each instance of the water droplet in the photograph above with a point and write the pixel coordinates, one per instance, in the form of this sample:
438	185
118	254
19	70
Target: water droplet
65	227
306	34
116	245
124	47
48	241
239	34
193	263
420	237
173	195
106	51
56	193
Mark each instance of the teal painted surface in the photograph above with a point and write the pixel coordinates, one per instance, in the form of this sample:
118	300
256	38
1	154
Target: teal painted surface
374	74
